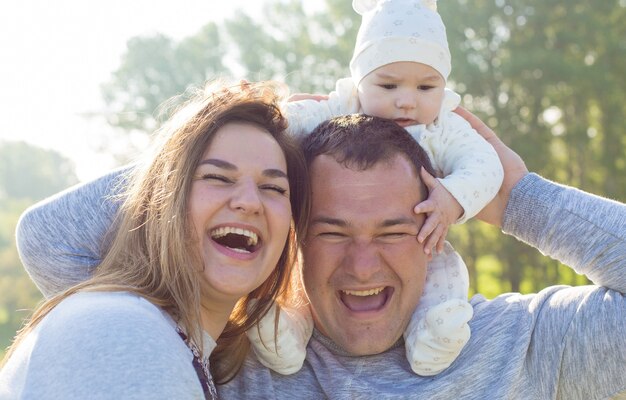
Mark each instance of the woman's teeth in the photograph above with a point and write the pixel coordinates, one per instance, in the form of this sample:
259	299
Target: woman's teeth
252	238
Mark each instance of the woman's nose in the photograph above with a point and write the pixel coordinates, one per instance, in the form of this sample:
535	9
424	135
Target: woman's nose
246	198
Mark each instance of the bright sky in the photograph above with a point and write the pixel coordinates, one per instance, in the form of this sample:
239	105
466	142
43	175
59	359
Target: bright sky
55	55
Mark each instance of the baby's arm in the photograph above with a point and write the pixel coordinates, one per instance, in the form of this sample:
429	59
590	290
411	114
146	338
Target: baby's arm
62	239
442	210
471	174
304	111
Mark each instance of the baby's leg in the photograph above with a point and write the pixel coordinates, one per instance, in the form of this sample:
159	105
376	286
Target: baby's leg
438	330
286	354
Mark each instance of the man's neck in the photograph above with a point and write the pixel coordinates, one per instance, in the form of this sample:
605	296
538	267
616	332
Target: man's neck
339	351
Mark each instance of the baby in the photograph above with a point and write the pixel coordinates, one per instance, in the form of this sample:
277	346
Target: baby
399	70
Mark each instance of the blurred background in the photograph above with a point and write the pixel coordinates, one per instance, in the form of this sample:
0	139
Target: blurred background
81	84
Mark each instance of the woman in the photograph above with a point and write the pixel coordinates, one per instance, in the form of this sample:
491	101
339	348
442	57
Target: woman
210	223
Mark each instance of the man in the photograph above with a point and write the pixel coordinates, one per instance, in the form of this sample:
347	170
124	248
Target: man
364	270
567	343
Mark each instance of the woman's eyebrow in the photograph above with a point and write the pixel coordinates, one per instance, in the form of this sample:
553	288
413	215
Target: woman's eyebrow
270	172
274	173
219	163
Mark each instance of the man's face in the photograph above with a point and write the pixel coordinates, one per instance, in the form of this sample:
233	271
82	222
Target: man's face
364	269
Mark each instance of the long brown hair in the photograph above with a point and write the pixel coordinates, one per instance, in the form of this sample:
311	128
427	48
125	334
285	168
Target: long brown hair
153	252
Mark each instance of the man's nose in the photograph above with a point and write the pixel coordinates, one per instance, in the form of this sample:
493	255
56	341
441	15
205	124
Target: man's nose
246	198
362	259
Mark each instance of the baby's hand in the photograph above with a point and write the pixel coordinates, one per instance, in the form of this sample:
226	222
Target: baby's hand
441	210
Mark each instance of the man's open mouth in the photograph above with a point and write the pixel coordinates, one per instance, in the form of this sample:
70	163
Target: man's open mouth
236	239
365	300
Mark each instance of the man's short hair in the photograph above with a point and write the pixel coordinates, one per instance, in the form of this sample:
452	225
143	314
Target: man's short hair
360	141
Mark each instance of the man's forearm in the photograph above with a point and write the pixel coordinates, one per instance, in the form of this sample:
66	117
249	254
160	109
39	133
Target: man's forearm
63	238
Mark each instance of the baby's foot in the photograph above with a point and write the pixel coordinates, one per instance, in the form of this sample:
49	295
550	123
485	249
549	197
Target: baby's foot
286	354
434	344
439	328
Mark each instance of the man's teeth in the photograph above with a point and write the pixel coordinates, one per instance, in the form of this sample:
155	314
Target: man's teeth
253	238
370	292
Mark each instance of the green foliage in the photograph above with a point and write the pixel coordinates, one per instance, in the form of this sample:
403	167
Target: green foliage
19	294
307	50
156	68
554	93
309	56
27	174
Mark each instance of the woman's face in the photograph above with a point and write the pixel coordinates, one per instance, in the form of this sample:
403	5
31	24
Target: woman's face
240	209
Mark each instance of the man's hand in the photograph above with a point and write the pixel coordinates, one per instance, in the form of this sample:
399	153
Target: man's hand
514	169
441	210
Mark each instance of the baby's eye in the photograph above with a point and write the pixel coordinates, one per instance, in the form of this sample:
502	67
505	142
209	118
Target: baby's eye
425	87
275	188
388	86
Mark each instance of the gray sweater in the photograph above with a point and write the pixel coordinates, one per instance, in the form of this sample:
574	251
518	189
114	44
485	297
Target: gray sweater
104	346
562	343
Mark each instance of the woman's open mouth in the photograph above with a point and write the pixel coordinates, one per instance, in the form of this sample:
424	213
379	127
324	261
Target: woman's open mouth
238	240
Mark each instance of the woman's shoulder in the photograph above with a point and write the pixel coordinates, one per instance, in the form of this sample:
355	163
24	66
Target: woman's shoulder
106	302
101	319
122	309
113	343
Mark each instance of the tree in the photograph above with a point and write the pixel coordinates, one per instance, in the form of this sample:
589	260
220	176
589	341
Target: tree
19	294
307	50
27	174
554	94
157	68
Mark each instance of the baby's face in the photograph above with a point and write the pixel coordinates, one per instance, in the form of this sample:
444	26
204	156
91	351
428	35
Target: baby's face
408	92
